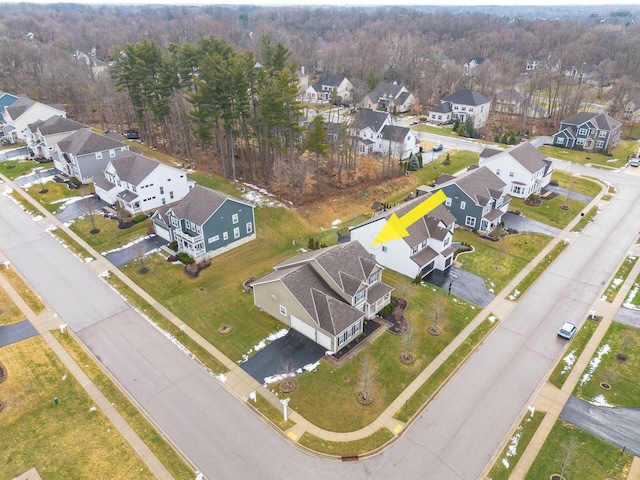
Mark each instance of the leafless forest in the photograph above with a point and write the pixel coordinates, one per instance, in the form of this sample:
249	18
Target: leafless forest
184	75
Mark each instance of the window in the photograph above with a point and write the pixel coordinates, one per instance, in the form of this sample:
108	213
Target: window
161	190
580	141
236	232
384	249
374	278
112	153
225	235
99	155
463	205
359	297
517	189
470	221
283	310
560	140
497	171
471	109
249	227
582	131
215	238
511	174
170	194
447	202
234	218
600	144
164	202
133	188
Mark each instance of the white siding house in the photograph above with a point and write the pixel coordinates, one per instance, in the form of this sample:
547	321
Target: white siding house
25	111
140	184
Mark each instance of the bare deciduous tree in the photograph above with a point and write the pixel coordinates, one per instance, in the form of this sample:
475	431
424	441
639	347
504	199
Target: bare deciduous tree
366	378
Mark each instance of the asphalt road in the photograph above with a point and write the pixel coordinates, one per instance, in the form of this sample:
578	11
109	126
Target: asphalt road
453	438
618	426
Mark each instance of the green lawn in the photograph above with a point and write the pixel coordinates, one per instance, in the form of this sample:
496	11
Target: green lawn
445	130
110	236
622	376
23	290
536	271
584	221
564	367
576	454
517	445
62	441
56	192
617	159
621	275
13	169
9	313
584	185
346	449
498	262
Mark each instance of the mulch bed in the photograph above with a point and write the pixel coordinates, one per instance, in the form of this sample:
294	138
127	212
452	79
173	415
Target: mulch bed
397	318
370	326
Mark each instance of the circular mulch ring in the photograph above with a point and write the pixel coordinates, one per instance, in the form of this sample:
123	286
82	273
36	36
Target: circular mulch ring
346	378
3	373
44	190
605	385
621	358
143	270
435	331
224	329
94	231
556	476
364	400
287	385
406	359
564	207
9	167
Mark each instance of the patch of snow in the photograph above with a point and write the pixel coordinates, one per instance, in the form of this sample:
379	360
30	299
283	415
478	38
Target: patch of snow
222	377
336	222
514	295
593	364
531	409
492	318
600	401
569	360
37	218
130	244
505	462
616	282
628	302
263	343
281	376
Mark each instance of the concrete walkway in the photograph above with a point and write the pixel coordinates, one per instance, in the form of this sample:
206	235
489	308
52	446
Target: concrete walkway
240	384
44	323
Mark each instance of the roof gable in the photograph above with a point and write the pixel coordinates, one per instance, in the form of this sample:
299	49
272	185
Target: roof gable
133	168
370	118
466	96
83	142
200	204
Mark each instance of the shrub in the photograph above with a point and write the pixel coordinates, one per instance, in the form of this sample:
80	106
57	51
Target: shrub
174	246
185	258
388	309
75	181
140	218
423	119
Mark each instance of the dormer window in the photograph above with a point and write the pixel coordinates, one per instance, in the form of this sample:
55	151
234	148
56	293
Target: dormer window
374	278
359	297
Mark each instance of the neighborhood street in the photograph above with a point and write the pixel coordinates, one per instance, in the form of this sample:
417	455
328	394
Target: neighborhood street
453	438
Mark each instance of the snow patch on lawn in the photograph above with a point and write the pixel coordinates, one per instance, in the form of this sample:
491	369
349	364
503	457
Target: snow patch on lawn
628	302
256	196
130	244
600	401
514	295
569	360
279	377
593	364
492	318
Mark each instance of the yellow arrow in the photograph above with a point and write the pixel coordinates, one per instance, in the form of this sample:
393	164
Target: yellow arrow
397	227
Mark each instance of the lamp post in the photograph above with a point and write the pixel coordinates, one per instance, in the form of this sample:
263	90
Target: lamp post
285	402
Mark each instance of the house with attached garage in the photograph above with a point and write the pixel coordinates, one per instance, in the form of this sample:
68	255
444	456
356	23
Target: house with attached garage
140	184
523	168
427	248
389	97
25	111
476	198
206	223
588	131
43	135
84	154
375	133
325	294
333	88
397	142
462	105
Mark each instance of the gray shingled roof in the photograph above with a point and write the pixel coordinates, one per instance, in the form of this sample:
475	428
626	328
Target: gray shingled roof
442	108
488	152
58	124
385	90
200	203
82	142
369	118
331	81
20	106
34	126
529	157
480	184
394	133
465	96
133	168
103	183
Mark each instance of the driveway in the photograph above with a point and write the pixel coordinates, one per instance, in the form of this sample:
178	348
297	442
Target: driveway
628	316
462	284
615	425
125	255
11	154
80	208
32	178
524	224
293	347
566	192
15	332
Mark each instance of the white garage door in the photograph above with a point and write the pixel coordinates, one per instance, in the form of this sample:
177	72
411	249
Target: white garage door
163	232
304	328
324	340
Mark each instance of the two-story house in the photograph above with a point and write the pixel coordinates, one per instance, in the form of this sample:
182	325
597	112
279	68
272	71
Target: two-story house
427	248
140	184
473	63
389	97
43	135
206	223
397	142
523	168
325	294
84	154
588	131
462	105
477	198
6	100
367	128
25	111
334	88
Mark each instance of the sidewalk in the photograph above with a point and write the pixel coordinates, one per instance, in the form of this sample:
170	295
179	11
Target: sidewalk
44	323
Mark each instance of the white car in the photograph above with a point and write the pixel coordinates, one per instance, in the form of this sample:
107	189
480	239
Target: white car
567	330
634	162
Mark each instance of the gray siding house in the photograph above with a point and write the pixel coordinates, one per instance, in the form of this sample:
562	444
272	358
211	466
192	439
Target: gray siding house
476	198
588	131
85	154
325	294
206	223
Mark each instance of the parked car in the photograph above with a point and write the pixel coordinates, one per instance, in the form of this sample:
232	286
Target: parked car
634	162
567	330
437	147
132	134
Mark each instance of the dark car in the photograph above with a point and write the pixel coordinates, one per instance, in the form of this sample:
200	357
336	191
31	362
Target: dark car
132	134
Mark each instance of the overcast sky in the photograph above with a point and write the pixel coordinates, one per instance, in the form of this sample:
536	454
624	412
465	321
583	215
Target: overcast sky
308	3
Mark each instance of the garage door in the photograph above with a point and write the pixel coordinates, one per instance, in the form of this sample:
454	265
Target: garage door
163	232
303	328
324	340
